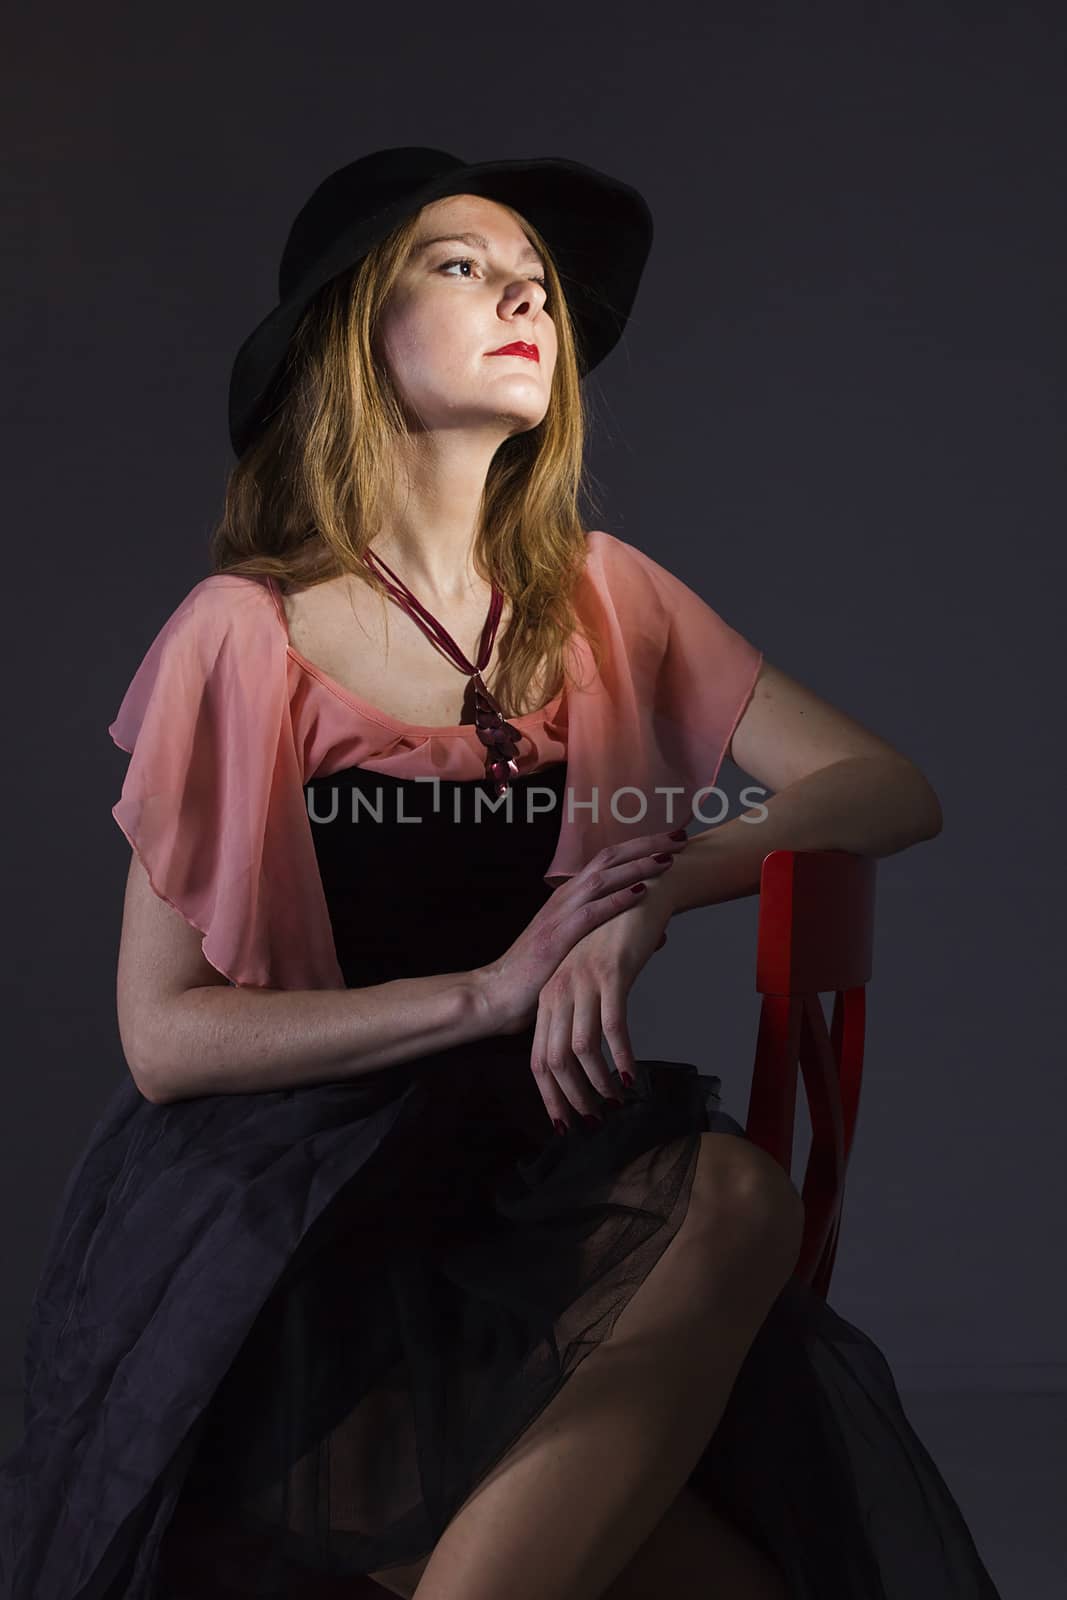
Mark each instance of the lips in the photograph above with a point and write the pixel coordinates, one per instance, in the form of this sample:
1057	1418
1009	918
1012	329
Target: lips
518	348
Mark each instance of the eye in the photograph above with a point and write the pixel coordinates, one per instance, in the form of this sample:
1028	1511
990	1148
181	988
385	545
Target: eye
469	261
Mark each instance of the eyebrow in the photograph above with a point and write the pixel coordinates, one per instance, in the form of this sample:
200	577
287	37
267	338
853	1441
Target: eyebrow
529	254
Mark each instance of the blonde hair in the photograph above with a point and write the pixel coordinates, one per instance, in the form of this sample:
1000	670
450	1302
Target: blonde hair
309	494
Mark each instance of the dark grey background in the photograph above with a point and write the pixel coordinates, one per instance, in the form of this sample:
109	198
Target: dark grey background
836	414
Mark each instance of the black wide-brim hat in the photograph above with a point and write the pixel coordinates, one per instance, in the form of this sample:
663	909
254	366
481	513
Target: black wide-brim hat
598	228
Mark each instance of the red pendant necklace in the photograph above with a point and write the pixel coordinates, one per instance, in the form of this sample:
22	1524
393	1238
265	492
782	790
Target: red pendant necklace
499	737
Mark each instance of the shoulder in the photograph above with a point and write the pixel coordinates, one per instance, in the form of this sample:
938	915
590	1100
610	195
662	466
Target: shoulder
630	571
221	647
222	609
606	552
226	600
222	618
628	578
616	560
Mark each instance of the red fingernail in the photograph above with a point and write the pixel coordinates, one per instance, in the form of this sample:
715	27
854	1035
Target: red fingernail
626	1078
637	888
679	833
594	1122
664	855
560	1127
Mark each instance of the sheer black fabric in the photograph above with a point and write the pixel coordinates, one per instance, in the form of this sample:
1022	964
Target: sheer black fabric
278	1338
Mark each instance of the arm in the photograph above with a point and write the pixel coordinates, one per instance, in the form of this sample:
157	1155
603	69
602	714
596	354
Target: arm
186	1031
836	786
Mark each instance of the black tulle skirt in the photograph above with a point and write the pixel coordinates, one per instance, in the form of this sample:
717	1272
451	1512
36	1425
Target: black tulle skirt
279	1338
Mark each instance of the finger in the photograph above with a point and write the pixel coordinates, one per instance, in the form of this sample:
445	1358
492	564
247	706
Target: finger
615	1027
643	844
587	1042
561	1063
620	869
621	864
555	1102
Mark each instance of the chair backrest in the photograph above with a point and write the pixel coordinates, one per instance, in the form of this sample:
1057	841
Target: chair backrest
816	935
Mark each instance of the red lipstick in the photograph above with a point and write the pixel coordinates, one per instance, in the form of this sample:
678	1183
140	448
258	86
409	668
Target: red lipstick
518	348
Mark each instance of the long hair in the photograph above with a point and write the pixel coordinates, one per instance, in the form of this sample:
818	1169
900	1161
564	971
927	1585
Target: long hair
310	492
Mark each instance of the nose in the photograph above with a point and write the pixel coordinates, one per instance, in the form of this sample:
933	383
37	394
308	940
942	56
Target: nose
528	299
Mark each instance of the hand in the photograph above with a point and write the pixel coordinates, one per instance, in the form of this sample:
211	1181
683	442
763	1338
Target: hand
585	1001
509	989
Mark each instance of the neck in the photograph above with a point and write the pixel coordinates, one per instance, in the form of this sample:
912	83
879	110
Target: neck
429	541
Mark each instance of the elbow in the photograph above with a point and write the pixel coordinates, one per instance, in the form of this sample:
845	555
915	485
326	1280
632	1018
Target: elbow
929	817
149	1084
145	1069
909	802
151	1090
932	814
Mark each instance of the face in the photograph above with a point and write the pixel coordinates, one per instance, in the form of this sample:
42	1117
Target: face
455	302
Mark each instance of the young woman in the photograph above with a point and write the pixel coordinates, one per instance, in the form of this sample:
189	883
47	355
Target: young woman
330	1306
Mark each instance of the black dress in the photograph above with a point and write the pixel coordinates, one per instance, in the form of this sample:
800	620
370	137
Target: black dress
279	1337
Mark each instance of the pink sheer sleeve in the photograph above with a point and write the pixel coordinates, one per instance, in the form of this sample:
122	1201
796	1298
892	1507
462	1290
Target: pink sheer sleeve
704	681
650	730
213	800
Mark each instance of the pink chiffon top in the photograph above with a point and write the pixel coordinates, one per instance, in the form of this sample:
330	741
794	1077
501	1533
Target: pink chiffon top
225	722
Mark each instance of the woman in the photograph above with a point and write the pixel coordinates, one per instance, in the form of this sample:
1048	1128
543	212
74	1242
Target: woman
328	1307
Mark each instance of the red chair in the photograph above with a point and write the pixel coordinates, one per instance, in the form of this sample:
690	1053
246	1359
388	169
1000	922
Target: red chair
816	933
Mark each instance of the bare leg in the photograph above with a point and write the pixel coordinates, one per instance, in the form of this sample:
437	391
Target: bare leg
691	1546
571	1504
694	1551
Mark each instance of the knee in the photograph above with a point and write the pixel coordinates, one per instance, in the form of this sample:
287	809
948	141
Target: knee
741	1194
401	1580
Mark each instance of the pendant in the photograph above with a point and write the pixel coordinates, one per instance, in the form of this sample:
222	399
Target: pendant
498	735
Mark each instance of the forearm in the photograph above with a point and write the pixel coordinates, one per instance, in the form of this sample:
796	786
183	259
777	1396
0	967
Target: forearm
869	805
218	1039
